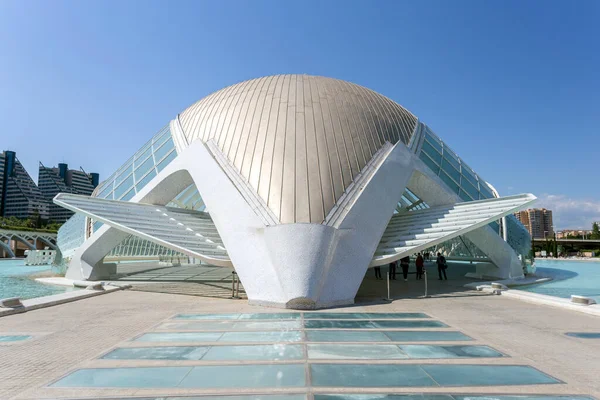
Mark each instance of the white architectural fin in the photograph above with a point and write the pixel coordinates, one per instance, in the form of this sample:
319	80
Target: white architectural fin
345	202
254	200
414	231
187	231
179	138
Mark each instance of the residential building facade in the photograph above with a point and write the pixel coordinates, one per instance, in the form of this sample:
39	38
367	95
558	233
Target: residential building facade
538	222
19	195
61	179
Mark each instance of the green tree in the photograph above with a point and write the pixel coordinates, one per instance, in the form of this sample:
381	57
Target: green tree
595	231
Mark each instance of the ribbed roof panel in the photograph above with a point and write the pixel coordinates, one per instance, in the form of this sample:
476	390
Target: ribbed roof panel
299	140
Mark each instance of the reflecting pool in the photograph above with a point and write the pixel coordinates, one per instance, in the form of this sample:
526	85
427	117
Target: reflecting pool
569	277
15	282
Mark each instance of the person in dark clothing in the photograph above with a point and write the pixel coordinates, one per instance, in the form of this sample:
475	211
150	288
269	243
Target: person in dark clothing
392	271
441	264
420	265
404	263
377	272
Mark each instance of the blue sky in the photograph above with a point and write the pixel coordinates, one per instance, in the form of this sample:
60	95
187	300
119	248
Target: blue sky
512	86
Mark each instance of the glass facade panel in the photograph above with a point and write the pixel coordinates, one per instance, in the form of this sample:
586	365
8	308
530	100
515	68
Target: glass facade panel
143	168
125	183
123	174
161	165
161	138
485	191
106	192
465	196
435	142
519	239
450	170
444	162
144	181
144	154
495	226
123	187
71	235
162	151
448	181
462	180
431	152
451	158
470	175
467	187
430	163
128	195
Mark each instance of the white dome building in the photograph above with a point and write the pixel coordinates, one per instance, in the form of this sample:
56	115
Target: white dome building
300	183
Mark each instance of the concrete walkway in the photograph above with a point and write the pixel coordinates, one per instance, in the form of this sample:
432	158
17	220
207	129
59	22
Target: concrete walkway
73	335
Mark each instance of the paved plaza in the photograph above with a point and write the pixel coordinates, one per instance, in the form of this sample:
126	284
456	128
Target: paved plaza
107	345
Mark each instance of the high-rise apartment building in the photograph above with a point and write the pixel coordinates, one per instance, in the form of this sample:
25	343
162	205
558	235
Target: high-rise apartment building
61	179
538	222
19	195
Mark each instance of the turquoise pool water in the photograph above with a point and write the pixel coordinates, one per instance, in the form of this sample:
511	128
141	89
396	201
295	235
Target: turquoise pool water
14	281
569	277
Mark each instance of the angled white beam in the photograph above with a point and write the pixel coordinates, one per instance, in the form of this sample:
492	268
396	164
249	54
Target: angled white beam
186	231
414	231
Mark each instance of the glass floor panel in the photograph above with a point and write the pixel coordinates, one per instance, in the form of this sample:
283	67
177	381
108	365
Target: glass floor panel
14	338
238	376
426	336
257	352
241	337
383	351
355	351
242	397
258	316
428	351
346	336
486	375
245	376
525	397
584	335
157	353
283	336
323	324
207	316
180	337
327	315
409	324
232	325
365	375
271	316
428	396
409	396
155	377
404	375
412	396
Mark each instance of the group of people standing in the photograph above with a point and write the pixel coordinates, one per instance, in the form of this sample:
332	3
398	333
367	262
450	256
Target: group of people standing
420	264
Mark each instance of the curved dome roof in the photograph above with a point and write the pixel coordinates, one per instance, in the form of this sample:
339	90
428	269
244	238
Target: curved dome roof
299	140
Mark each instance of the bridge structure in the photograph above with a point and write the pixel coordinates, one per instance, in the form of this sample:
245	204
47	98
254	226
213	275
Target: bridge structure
574	244
29	240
